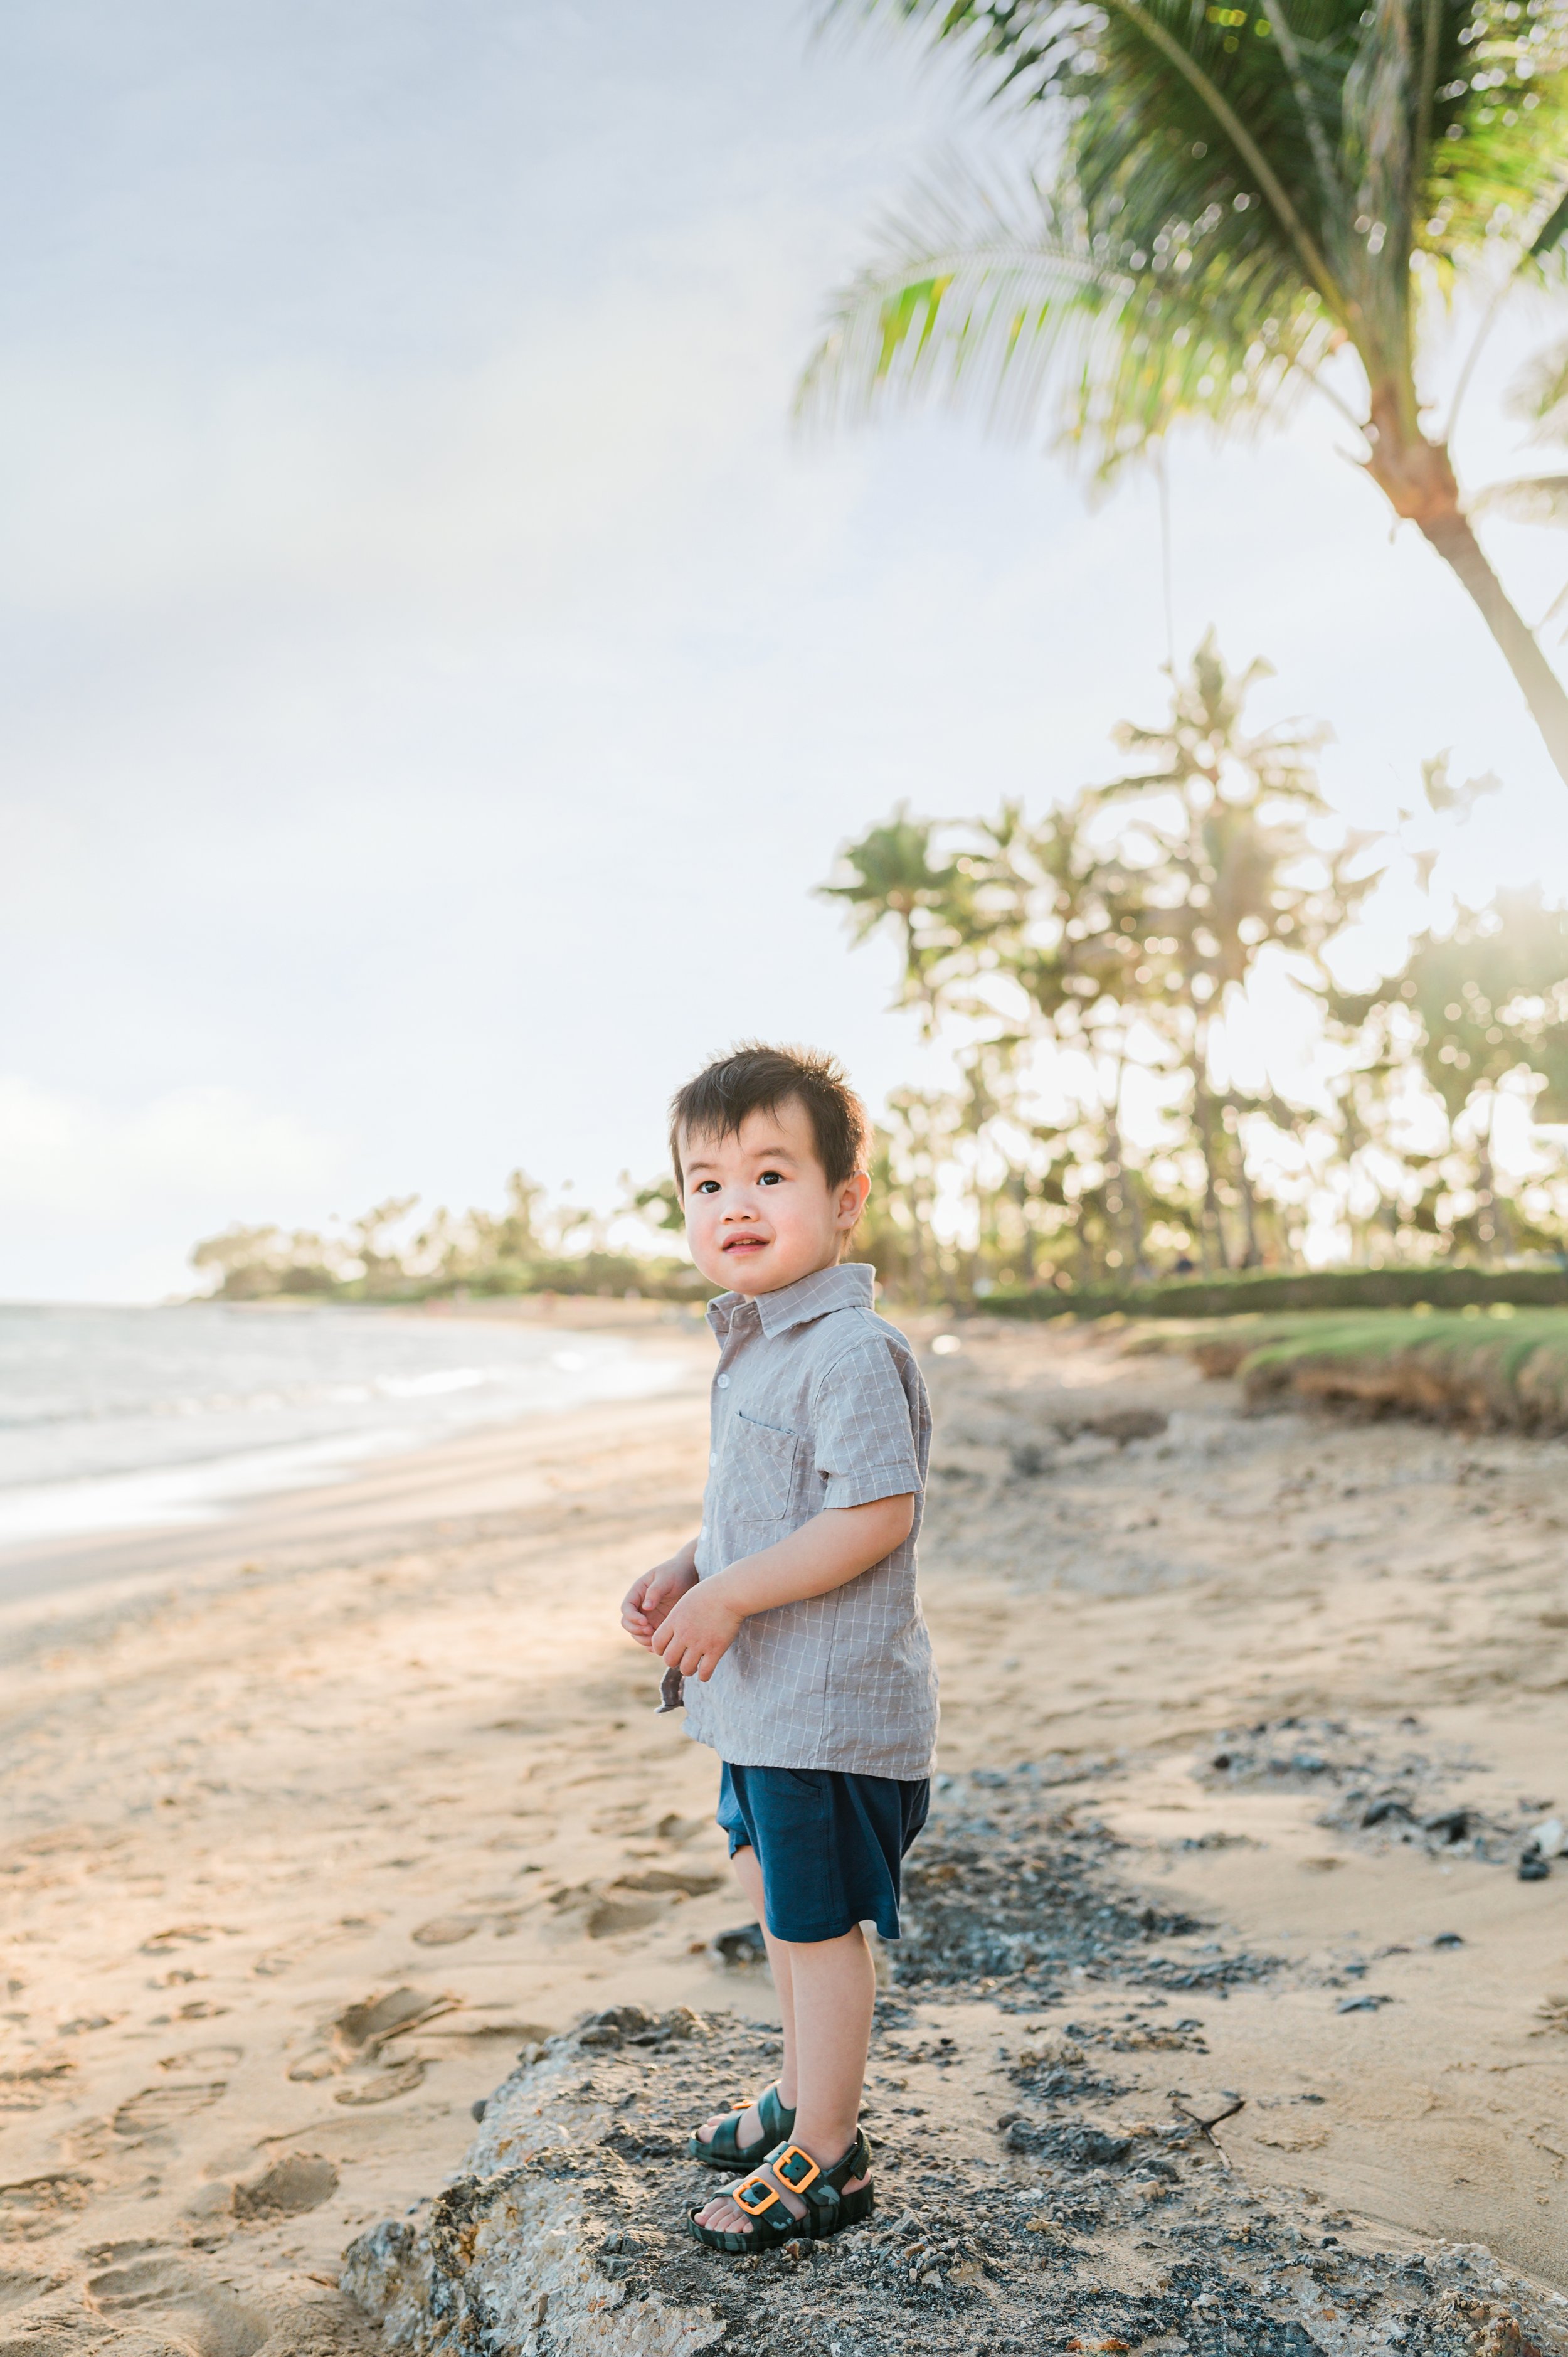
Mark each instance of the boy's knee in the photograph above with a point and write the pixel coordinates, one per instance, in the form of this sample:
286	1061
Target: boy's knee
846	1941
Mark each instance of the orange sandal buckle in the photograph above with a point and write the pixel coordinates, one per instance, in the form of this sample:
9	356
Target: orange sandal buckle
781	2168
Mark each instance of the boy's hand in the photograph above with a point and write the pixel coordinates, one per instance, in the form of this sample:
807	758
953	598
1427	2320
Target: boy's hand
648	1599
699	1630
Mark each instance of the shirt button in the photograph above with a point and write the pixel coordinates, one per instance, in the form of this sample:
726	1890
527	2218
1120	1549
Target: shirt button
724	1383
712	1457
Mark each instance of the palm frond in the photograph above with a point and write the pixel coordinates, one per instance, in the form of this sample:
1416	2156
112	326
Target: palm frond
1539	392
1342	137
1012	300
1530	499
971	295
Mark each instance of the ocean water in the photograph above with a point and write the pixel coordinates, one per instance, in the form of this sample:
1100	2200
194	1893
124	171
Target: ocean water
128	1419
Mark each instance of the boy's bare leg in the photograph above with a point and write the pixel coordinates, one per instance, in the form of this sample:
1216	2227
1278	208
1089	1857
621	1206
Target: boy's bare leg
748	1874
833	1986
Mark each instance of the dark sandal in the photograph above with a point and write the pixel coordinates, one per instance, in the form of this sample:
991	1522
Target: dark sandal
721	2150
828	2208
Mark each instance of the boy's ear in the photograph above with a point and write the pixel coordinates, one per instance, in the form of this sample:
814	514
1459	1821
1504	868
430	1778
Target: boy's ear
852	1199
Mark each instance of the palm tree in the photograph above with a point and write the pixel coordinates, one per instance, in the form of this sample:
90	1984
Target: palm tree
1225	198
1136	907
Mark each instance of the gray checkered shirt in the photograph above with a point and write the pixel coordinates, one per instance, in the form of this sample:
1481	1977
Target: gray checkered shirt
817	1403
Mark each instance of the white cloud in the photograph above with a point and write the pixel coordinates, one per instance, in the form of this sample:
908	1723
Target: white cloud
64	1157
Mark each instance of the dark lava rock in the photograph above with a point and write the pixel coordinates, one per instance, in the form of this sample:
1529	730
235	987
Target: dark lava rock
1002	1887
743	1945
1080	2145
1117	1424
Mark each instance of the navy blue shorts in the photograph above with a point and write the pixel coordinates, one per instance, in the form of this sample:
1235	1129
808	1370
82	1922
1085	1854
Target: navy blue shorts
830	1845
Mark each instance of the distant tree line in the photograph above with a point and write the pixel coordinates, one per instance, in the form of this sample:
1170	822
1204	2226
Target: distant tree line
389	1254
1092	976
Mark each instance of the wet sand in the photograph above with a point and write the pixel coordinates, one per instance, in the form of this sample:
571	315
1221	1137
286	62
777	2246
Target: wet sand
387	1737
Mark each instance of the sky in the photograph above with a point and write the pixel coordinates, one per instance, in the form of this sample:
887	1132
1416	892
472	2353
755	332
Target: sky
437	670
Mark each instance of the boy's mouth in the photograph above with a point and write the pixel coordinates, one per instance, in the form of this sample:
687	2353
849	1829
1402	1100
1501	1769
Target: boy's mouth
746	1244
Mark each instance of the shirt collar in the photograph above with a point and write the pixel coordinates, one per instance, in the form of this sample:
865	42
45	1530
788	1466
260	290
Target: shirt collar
851	1284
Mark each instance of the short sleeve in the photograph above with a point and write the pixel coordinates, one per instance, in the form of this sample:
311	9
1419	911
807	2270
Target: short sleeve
861	1431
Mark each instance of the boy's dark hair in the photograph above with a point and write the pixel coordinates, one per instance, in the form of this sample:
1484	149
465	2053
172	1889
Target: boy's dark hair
755	1079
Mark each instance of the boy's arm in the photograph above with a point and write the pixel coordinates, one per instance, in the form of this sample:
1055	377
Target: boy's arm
828	1552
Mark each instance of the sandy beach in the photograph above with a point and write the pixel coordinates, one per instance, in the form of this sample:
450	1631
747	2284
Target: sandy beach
318	1817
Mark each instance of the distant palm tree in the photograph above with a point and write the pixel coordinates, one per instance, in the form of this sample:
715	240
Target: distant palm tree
1225	198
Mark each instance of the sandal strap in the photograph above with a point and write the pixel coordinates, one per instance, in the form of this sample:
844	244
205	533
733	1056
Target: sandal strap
724	2148
771	2219
791	2167
725	2143
776	2116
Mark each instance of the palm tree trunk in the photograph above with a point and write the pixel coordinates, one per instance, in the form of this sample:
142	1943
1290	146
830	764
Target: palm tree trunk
1417	478
1494	1214
1211	1227
1544	690
1253	1257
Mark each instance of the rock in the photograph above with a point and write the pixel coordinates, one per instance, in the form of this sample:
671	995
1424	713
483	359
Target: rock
1080	2145
566	2233
1550	1838
745	1945
527	2252
1532	1868
1450	1826
1448	1940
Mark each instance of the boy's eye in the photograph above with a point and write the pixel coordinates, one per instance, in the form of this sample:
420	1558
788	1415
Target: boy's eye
706	1186
771	1178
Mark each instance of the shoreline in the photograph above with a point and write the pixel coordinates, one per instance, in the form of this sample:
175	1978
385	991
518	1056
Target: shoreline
352	1486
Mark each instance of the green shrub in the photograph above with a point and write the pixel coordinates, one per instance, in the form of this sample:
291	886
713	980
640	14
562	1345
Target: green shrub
1268	1291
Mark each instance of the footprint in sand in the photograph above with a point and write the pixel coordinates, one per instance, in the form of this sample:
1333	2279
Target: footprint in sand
32	2206
445	1931
199	2312
30	2088
632	1901
690	1881
279	1961
300	2182
18	2290
185	1935
359	2033
203	2058
157	2108
401	2079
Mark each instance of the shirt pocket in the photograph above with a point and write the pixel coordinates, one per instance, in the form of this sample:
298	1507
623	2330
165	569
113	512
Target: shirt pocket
760	1473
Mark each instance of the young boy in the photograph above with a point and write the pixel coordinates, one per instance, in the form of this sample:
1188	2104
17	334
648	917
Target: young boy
792	1618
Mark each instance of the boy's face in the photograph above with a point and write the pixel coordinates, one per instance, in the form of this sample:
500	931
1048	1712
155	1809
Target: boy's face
759	1211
